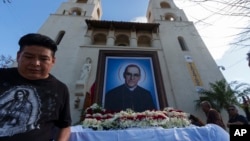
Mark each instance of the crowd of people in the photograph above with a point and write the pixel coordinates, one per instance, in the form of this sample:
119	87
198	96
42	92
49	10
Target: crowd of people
214	117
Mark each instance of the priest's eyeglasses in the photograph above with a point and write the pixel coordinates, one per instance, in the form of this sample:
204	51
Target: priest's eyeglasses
132	75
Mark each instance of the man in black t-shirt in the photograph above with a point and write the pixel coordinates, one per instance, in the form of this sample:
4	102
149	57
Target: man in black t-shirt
32	101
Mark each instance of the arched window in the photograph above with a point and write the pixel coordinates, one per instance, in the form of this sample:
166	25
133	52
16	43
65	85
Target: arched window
64	11
149	15
76	11
59	37
122	40
144	41
182	43
98	13
169	17
165	5
100	39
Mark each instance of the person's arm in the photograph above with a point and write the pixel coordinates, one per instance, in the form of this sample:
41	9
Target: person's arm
234	123
64	134
241	120
64	120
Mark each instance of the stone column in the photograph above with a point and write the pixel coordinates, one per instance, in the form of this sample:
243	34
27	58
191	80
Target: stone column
133	39
155	41
88	37
111	38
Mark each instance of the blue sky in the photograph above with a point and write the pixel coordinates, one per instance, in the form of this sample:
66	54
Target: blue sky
24	16
21	17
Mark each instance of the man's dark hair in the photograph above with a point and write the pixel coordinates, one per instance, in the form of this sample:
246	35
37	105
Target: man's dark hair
37	39
195	120
131	65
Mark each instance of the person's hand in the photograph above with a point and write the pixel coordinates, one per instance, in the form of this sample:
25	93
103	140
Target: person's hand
235	123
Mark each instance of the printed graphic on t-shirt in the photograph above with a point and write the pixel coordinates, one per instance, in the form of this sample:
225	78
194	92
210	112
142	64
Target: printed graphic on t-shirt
19	110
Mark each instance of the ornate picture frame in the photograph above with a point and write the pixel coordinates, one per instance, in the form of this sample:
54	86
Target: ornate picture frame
111	65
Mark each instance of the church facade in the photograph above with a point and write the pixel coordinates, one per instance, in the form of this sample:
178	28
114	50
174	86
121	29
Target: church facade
175	63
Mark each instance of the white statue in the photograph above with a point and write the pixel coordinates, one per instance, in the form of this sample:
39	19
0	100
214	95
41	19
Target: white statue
85	71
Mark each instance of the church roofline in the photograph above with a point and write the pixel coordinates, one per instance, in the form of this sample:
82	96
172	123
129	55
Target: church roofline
122	25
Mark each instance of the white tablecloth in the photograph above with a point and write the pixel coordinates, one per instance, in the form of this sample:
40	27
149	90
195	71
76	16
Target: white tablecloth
209	132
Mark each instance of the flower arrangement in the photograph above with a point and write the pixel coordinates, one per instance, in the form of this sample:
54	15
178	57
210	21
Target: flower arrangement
98	118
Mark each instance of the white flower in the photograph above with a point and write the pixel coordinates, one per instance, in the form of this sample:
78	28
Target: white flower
167	118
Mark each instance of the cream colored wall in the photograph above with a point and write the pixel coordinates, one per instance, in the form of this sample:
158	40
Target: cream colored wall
183	88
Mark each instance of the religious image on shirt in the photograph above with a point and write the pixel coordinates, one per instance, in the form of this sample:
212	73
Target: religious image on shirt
129	83
19	110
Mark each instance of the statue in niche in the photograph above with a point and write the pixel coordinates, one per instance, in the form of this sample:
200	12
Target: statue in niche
85	71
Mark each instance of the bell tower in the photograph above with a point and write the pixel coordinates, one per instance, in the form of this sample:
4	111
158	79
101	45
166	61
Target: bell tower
89	9
159	10
68	28
186	56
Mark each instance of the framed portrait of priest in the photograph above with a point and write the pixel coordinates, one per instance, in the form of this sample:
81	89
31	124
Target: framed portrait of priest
129	80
